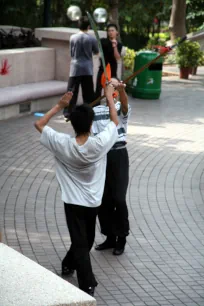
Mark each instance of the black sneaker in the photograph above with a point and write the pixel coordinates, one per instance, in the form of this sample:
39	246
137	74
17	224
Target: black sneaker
109	243
66	119
120	246
66	271
90	291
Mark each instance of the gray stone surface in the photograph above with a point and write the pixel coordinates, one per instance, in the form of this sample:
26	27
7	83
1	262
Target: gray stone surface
163	263
31	91
24	282
28	65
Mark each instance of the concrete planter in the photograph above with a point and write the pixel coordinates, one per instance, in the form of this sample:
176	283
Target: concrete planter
194	70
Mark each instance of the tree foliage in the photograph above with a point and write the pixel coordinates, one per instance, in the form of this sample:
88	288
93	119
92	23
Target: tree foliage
20	13
195	15
136	17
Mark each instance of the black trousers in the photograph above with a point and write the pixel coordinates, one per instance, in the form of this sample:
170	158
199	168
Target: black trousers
98	84
81	222
113	212
87	86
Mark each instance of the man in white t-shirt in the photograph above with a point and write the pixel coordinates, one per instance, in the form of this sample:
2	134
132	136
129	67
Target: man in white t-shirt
80	170
113	212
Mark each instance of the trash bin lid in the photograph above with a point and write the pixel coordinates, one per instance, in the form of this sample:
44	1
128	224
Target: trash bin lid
147	55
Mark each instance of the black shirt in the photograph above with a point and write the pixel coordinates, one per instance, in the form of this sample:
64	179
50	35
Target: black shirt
108	52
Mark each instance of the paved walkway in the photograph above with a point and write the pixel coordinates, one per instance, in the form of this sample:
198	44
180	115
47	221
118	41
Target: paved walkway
174	68
164	260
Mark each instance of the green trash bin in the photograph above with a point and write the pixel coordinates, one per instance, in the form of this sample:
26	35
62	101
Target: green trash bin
147	84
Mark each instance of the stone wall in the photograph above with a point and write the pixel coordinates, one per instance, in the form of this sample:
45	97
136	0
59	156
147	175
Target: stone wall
28	65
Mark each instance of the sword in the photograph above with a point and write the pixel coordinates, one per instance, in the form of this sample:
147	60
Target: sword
94	27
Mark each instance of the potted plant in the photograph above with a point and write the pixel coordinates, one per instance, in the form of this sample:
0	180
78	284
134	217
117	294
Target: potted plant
129	58
195	57
187	56
128	62
200	63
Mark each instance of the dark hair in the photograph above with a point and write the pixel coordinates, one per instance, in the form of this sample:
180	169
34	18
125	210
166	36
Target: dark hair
112	25
83	23
81	119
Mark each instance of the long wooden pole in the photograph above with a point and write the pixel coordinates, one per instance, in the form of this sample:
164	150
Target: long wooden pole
132	75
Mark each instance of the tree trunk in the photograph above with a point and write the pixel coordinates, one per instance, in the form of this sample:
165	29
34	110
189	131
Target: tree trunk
153	30
61	18
159	26
177	24
47	13
113	13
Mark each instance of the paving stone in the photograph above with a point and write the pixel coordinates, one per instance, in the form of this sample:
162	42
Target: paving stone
164	259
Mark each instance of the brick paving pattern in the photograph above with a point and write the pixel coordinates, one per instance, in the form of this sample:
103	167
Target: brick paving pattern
163	263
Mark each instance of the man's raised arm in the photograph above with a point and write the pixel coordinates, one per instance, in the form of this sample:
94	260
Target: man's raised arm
123	97
64	102
109	90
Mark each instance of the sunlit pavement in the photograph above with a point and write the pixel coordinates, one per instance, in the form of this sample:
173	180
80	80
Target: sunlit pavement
163	263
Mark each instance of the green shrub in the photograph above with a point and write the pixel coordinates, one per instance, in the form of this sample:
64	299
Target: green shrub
157	40
201	59
129	58
162	35
170	59
188	54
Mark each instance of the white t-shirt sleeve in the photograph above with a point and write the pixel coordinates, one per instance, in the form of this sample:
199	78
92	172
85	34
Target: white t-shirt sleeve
106	139
53	140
